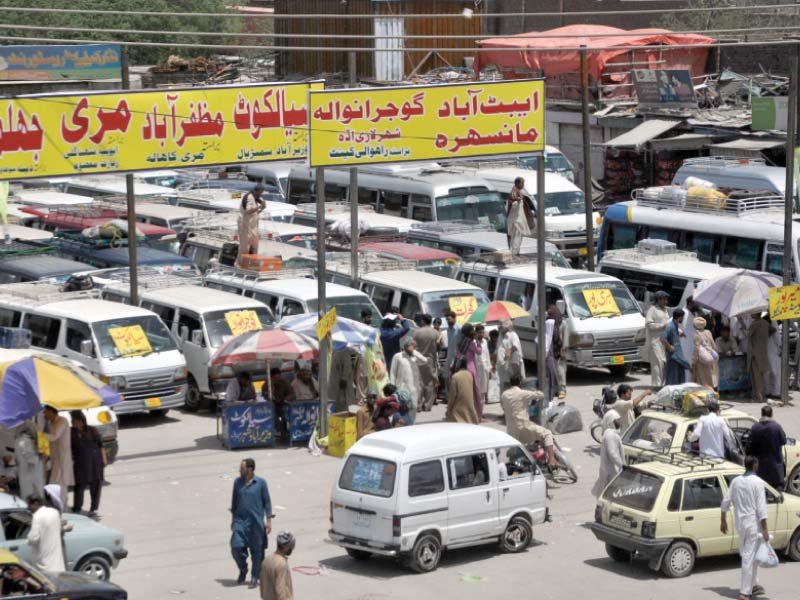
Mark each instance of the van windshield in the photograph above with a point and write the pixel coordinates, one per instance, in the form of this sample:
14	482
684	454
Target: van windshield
444	268
132	336
349	307
483	207
462	302
563	203
553	163
218	323
579	295
368	476
634	489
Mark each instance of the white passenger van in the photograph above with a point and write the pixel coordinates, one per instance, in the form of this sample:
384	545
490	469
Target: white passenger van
609	337
97	186
371	222
202	320
295	295
412	492
645	271
417	292
48	198
275	173
225	201
128	347
726	173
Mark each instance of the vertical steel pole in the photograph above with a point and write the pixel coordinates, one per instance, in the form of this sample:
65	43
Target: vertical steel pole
540	286
354	231
587	161
791	127
130	202
321	303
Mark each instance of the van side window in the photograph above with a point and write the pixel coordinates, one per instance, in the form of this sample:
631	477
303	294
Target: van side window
269	300
190	320
291	307
517	291
674	504
9	318
166	313
409	305
44	331
421	213
425	478
486	282
112	297
702	493
77	332
393	203
382	297
468	471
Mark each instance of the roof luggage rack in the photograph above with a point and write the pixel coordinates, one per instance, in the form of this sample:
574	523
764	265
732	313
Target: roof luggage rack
18	249
148	278
689	461
724	161
247	275
451	227
736	204
36	293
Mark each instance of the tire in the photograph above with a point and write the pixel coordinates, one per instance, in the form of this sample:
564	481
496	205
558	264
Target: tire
359	554
618	371
517	536
95	566
678	560
793	482
160	413
426	554
618	554
194	399
793	551
597	432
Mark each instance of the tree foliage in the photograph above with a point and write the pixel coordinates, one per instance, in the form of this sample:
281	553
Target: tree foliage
121	20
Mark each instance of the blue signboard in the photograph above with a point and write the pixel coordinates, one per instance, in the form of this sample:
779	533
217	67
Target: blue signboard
302	418
733	373
58	63
245	425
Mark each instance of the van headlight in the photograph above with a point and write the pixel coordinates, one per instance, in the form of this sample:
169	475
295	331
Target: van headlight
115	382
181	374
581	340
221	372
641	336
104	417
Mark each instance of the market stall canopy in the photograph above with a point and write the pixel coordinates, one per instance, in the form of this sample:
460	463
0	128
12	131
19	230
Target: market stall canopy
29	383
745	147
642	133
265	344
346	332
742	293
561	56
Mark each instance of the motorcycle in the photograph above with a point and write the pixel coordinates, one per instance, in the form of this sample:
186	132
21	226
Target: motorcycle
539	454
600	407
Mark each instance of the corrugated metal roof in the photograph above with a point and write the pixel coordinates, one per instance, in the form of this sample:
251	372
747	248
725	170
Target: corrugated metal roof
642	133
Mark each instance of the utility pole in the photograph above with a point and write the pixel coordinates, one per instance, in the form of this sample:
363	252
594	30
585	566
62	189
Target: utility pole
587	160
540	286
321	303
354	231
130	202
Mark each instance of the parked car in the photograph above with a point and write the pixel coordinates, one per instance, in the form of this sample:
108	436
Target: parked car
668	511
391	498
657	432
91	548
20	579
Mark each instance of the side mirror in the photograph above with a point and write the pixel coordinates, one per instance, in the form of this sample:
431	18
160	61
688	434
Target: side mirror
87	348
561	306
197	337
184	333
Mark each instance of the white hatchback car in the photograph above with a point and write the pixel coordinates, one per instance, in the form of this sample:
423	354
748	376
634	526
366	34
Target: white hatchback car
413	491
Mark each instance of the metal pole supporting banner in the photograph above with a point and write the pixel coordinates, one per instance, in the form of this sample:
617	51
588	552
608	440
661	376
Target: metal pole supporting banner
791	135
354	231
587	160
540	286
321	303
130	200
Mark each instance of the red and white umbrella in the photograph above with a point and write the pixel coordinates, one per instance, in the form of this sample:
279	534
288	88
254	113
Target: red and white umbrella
266	344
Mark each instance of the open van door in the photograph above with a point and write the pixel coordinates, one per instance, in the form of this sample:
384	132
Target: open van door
522	486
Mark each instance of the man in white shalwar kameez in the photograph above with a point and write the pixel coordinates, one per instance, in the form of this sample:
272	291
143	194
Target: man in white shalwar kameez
405	374
45	536
509	354
748	497
612	455
655	322
687	342
516	219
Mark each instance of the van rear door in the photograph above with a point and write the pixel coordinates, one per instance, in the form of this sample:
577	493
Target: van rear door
365	498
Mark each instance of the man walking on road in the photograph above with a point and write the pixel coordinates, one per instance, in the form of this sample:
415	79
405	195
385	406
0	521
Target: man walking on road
767	439
45	536
251	508
276	577
748	497
712	431
757	356
655	323
427	339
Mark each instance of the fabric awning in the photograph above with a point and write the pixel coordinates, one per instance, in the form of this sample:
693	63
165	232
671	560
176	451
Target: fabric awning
684	141
642	133
754	144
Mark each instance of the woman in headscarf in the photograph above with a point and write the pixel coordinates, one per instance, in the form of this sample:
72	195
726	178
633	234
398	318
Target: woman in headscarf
509	354
469	350
705	359
612	455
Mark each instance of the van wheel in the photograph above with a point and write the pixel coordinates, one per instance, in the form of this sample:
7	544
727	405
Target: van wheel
793	551
793	482
618	554
426	553
517	536
618	371
359	554
678	560
194	399
95	566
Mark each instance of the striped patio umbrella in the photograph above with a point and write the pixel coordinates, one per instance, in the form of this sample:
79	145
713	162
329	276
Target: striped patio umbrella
29	383
497	311
264	344
740	293
346	332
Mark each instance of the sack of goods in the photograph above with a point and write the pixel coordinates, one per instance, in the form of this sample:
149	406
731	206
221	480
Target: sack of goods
562	418
700	197
688	398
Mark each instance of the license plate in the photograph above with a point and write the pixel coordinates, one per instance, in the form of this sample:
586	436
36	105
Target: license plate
583	251
620	521
617	360
152	402
363	520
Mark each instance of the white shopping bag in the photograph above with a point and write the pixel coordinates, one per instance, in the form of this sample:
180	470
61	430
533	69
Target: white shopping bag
493	392
765	555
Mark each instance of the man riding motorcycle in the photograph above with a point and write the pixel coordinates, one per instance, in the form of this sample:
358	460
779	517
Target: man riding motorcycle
515	402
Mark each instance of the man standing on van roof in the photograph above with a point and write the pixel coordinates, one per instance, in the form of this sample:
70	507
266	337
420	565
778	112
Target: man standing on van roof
249	212
655	323
251	523
519	217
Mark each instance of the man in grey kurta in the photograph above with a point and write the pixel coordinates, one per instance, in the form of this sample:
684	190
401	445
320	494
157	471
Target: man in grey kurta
427	339
757	358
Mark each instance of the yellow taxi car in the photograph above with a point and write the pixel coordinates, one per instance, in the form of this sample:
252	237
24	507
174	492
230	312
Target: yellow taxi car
660	432
18	579
668	511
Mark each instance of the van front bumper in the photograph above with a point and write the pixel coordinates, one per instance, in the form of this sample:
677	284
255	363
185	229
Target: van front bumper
589	358
346	541
651	549
140	405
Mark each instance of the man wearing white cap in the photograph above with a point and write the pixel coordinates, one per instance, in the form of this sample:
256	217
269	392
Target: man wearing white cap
276	577
304	386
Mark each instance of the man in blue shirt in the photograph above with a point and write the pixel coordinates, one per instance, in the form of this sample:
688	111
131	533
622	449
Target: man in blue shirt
671	339
251	510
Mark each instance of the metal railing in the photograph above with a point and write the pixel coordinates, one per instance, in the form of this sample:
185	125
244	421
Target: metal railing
736	204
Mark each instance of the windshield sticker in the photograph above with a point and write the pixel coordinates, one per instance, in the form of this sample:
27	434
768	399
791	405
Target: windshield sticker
130	341
463	306
634	490
242	321
601	302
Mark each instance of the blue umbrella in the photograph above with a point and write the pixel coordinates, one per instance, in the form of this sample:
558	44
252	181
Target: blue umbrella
346	332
